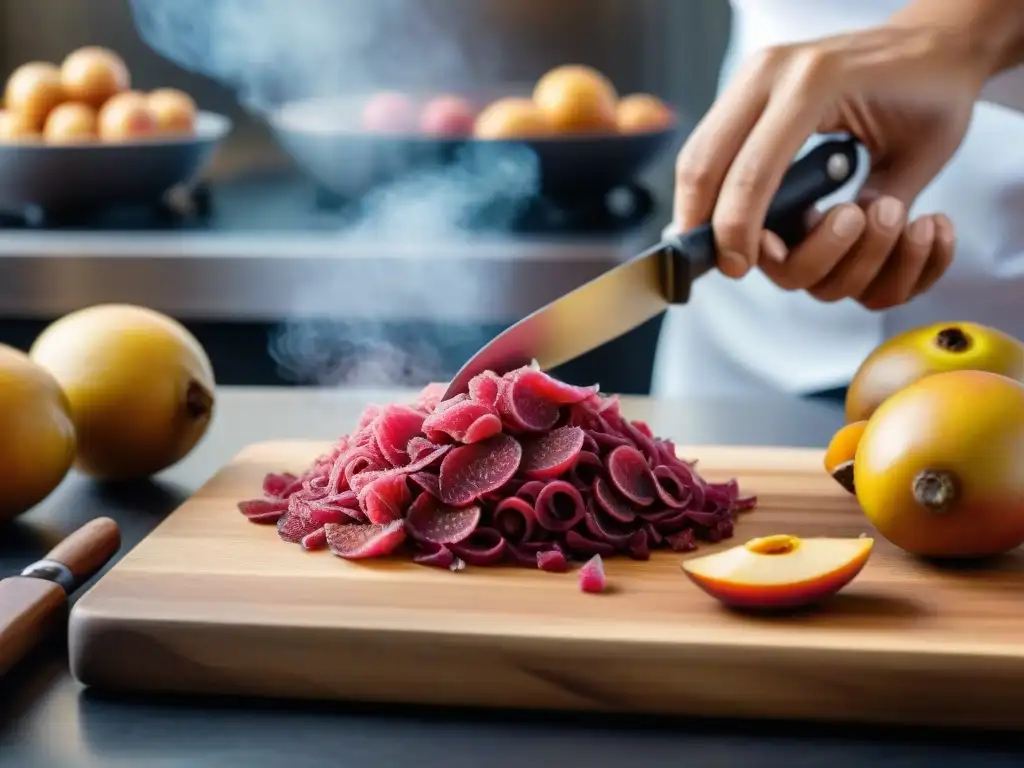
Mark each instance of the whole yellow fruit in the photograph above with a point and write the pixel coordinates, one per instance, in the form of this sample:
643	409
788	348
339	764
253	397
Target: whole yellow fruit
38	445
140	387
939	470
920	352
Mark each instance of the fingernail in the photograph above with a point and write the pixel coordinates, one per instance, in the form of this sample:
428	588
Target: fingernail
733	264
847	222
889	212
773	247
921	231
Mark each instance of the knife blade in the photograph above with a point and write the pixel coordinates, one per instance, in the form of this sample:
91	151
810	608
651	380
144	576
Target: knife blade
632	293
34	603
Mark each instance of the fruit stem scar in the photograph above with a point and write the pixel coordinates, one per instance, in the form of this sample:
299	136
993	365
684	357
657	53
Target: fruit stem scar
843	475
935	490
198	401
953	339
780	544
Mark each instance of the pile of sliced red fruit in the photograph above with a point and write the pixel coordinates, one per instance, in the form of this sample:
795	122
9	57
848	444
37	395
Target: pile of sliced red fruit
523	469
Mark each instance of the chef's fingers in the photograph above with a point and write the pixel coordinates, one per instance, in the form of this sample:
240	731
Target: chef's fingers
902	176
792	113
772	247
818	253
896	281
941	257
705	157
853	275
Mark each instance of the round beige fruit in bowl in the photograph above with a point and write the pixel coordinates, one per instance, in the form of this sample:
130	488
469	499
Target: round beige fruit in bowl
174	111
72	122
512	118
38	445
126	117
139	385
643	113
447	117
577	99
93	75
16	127
32	91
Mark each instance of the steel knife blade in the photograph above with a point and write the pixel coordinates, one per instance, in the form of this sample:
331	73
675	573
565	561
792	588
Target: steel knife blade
636	291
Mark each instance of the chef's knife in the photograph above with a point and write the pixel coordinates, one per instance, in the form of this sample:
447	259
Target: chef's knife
34	603
631	294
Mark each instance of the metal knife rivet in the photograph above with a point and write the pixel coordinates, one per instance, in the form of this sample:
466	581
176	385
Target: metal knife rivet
837	167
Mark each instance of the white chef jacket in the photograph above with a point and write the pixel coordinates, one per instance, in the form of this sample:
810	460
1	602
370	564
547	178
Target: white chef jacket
747	337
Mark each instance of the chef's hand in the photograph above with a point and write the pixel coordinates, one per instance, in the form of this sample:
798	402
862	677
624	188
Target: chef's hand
906	90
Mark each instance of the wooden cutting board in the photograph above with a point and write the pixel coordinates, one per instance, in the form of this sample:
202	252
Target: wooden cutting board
211	603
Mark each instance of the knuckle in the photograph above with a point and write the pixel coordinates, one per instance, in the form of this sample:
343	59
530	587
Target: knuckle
692	175
732	232
768	59
746	180
810	65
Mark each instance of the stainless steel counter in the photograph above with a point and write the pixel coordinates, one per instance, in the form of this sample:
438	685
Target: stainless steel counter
262	248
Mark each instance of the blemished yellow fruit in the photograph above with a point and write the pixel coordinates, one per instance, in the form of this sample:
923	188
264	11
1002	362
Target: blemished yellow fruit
139	384
930	349
38	445
939	470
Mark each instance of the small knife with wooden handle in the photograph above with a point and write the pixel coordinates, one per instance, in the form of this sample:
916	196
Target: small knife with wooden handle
34	603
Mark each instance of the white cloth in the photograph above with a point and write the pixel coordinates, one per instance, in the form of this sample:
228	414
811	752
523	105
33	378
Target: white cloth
745	337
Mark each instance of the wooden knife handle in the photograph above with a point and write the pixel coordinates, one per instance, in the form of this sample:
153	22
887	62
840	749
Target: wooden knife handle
89	548
29	610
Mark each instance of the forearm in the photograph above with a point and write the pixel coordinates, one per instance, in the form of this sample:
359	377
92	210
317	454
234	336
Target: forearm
993	30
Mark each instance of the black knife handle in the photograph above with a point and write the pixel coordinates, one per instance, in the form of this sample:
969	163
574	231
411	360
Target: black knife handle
819	173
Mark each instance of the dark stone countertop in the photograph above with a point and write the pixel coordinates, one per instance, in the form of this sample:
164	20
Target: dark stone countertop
47	719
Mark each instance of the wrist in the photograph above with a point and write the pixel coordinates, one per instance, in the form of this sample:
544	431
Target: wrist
992	31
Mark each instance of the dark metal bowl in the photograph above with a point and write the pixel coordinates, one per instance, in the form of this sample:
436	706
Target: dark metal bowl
64	177
324	139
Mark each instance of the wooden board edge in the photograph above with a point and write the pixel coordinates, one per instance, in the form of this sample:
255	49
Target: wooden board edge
825	685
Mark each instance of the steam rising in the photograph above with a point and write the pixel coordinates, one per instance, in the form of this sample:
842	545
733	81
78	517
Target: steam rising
278	52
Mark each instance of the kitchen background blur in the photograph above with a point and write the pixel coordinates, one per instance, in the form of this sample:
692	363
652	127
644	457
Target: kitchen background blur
278	284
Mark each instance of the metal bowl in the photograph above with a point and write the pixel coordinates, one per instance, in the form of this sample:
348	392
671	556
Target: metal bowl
324	139
62	177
